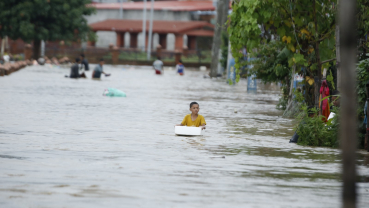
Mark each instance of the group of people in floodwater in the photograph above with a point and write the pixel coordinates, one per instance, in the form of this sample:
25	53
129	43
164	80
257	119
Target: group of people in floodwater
158	66
82	63
193	119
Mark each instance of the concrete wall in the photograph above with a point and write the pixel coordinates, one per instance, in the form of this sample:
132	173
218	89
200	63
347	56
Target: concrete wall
103	14
106	38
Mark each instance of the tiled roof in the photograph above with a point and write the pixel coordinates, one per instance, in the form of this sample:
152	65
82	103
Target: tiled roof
201	32
160	5
177	27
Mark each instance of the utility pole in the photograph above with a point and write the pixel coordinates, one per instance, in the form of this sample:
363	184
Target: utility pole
144	26
348	120
222	14
150	30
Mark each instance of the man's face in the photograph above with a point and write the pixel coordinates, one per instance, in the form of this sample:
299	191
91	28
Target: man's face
336	101
102	63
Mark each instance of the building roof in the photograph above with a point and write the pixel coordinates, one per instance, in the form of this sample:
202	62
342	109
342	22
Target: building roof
160	5
176	27
201	32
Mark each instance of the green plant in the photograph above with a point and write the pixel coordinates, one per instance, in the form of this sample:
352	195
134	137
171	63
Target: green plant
282	103
362	79
313	131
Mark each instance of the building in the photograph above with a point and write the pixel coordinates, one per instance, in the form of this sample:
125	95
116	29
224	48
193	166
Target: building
178	11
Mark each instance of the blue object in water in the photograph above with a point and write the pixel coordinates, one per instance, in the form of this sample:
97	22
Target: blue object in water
231	76
251	83
112	92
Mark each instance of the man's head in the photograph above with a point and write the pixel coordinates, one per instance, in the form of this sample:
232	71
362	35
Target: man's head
102	62
78	60
158	58
336	98
82	56
194	108
180	61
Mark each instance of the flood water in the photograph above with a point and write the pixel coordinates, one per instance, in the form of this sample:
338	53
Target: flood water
62	144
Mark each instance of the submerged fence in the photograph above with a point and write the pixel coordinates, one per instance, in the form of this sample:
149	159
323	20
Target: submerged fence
131	56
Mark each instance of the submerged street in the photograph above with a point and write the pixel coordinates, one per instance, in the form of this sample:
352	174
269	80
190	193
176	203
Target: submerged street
63	144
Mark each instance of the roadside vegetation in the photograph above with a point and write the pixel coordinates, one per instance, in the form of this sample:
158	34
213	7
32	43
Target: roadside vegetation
289	37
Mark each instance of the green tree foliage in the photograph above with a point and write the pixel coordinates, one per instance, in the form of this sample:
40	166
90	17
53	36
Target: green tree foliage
362	79
36	20
363	28
272	63
306	29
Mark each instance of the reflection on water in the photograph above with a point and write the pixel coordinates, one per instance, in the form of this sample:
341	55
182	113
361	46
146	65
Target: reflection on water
62	141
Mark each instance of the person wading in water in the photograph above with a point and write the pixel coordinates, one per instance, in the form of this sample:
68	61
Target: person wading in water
99	70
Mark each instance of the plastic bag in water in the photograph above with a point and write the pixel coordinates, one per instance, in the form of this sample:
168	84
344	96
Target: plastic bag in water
112	92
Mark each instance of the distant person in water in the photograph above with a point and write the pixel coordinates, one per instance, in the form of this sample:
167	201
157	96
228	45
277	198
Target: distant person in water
74	71
194	119
99	70
158	66
84	63
180	68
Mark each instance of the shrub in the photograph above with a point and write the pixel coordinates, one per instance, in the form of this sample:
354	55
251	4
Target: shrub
313	131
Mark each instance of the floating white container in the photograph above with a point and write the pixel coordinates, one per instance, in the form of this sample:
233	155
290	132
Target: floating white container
188	131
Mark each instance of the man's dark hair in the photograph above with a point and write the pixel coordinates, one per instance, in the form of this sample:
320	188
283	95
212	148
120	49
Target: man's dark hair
335	93
78	60
158	58
82	55
101	59
193	103
180	61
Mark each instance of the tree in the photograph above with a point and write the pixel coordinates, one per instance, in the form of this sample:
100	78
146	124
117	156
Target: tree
49	20
305	27
222	13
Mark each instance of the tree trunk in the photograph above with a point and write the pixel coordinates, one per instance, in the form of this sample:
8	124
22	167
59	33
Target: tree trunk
36	49
2	46
319	64
222	13
290	96
348	121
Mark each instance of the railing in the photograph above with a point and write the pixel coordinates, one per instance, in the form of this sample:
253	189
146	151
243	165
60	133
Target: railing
197	56
129	56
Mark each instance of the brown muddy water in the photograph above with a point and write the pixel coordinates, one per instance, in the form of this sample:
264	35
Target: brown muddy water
62	144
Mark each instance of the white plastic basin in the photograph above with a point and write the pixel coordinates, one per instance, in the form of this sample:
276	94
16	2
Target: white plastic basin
188	131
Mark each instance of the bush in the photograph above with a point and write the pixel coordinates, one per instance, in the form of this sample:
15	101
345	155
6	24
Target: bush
313	131
362	79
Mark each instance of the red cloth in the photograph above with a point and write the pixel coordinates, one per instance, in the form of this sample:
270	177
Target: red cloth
324	92
157	72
